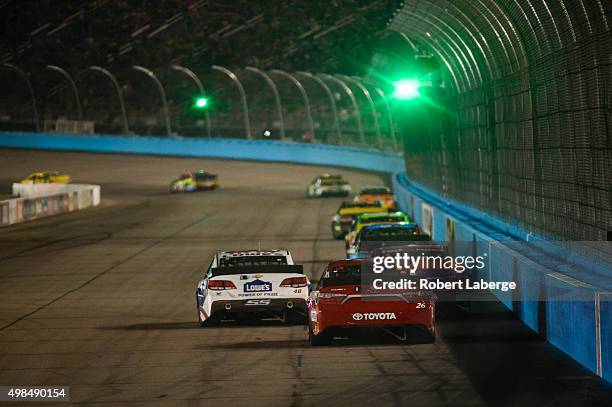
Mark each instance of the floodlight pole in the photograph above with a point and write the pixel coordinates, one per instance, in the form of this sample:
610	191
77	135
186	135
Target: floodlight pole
245	106
30	89
162	93
351	96
332	100
372	106
64	73
298	84
198	83
113	79
279	106
389	116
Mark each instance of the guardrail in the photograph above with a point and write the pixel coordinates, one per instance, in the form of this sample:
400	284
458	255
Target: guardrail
568	304
238	149
42	200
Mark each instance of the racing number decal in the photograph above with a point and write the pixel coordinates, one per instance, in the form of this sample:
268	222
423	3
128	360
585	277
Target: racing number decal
420	305
257	302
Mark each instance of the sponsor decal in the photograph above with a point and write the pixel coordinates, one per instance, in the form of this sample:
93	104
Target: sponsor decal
257	302
373	316
258	294
257	276
244	277
257	286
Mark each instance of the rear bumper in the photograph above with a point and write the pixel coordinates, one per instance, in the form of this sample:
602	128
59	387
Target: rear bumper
334	193
373	314
257	305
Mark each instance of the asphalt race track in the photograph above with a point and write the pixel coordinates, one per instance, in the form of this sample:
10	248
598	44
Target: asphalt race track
104	301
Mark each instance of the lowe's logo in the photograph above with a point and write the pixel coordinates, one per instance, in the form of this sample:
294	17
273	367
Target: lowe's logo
257	286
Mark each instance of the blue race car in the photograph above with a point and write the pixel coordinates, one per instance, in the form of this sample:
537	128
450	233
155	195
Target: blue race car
373	237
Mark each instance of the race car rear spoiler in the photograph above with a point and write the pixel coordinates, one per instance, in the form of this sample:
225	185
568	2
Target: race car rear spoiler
281	268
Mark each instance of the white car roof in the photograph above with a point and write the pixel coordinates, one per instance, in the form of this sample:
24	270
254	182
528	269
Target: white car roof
246	253
221	255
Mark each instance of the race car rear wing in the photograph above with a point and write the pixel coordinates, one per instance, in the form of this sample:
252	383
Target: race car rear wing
273	268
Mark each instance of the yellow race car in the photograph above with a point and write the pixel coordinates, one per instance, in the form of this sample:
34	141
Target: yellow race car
346	215
46	177
195	181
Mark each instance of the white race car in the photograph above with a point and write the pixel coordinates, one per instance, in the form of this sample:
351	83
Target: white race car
251	284
328	185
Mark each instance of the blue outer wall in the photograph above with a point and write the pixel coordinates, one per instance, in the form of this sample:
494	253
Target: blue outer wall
575	307
261	150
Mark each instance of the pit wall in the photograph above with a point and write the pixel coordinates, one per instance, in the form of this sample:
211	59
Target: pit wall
572	314
42	200
237	149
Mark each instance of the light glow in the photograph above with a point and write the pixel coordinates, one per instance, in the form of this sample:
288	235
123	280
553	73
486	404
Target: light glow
201	102
406	89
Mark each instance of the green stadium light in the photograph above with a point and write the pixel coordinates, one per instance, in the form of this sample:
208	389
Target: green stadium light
201	103
406	89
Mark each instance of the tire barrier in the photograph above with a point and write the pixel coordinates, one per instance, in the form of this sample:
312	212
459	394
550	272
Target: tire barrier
42	200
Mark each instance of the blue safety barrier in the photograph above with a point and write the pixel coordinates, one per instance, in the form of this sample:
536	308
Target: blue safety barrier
564	296
238	149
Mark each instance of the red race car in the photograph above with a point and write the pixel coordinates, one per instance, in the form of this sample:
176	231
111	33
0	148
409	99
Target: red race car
341	301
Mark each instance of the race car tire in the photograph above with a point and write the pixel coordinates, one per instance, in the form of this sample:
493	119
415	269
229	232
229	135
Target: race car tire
337	235
210	321
200	322
431	335
323	339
